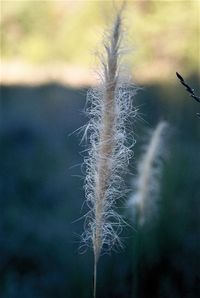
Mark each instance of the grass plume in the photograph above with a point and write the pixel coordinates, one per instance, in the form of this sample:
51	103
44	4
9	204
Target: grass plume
143	201
109	108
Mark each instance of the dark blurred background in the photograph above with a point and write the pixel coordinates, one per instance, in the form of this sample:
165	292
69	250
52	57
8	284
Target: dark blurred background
45	58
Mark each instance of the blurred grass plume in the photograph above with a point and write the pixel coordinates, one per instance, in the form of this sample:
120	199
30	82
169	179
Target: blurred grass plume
143	202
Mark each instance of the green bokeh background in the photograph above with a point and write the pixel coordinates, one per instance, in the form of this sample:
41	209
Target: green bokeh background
163	32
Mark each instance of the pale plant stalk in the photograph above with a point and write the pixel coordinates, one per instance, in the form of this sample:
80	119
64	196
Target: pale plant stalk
108	155
147	184
107	140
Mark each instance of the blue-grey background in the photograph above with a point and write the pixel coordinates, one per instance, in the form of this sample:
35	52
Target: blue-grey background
42	195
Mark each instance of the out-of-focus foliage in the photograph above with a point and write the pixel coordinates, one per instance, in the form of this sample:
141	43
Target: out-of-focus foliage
49	30
164	33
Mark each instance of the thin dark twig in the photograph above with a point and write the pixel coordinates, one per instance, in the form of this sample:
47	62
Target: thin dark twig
188	89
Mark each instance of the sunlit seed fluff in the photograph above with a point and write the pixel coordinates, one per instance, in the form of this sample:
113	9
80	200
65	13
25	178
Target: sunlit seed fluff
109	109
143	202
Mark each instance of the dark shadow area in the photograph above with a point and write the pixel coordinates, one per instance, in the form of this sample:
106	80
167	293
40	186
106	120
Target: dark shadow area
42	196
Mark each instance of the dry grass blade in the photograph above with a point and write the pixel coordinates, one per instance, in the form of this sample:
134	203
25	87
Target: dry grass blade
188	89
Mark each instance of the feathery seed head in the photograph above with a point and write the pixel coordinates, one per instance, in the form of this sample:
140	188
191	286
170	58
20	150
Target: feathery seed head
109	108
